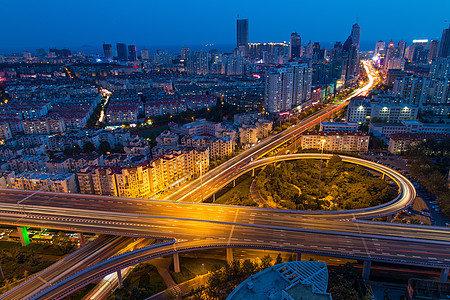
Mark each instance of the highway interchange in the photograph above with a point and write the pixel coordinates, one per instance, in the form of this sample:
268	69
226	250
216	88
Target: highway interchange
189	226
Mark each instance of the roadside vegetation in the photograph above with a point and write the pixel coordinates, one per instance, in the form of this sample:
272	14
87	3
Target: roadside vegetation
19	262
143	282
429	165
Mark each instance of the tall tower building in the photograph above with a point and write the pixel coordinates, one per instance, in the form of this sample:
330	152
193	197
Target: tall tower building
356	36
402	46
287	86
349	55
295	46
144	54
132	53
379	48
107	50
242	36
433	46
444	47
121	51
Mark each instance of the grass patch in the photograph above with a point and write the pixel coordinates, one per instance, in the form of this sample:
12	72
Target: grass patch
151	132
191	267
143	282
242	187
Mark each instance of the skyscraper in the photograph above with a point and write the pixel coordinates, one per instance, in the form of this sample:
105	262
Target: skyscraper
356	36
287	86
242	36
434	47
379	48
295	46
107	50
402	46
349	55
144	54
132	53
121	51
444	47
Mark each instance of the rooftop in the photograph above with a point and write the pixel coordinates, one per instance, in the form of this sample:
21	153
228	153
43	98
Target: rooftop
298	279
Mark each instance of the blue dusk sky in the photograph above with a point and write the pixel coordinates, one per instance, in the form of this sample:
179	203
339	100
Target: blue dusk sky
32	24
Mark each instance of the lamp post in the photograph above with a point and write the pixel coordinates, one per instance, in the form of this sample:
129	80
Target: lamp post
321	161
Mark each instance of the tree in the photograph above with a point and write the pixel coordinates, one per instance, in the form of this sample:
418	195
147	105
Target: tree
278	260
104	147
88	147
266	261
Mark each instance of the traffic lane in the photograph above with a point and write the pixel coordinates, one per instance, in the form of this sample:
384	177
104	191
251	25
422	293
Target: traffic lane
227	234
277	218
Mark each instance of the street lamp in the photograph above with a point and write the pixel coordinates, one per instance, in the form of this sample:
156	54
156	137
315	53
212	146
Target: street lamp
321	161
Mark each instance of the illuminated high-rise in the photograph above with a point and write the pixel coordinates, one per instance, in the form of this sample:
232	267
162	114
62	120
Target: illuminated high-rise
107	50
121	51
444	48
242	36
287	86
132	53
295	46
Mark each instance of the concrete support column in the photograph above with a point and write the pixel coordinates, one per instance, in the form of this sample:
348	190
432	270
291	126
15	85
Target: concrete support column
81	239
366	269
253	172
229	255
23	234
214	197
119	277
391	217
176	262
383	176
299	256
444	275
234	183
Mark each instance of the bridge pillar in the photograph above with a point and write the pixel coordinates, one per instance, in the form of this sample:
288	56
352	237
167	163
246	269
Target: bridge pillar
366	269
119	277
253	172
444	275
214	197
176	262
299	256
234	183
391	217
383	176
81	239
229	255
23	234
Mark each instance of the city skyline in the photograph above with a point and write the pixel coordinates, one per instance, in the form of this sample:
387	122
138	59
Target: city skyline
138	26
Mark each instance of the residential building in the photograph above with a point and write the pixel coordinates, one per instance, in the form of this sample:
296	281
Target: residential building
339	141
407	126
363	110
338	126
401	142
60	183
287	86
